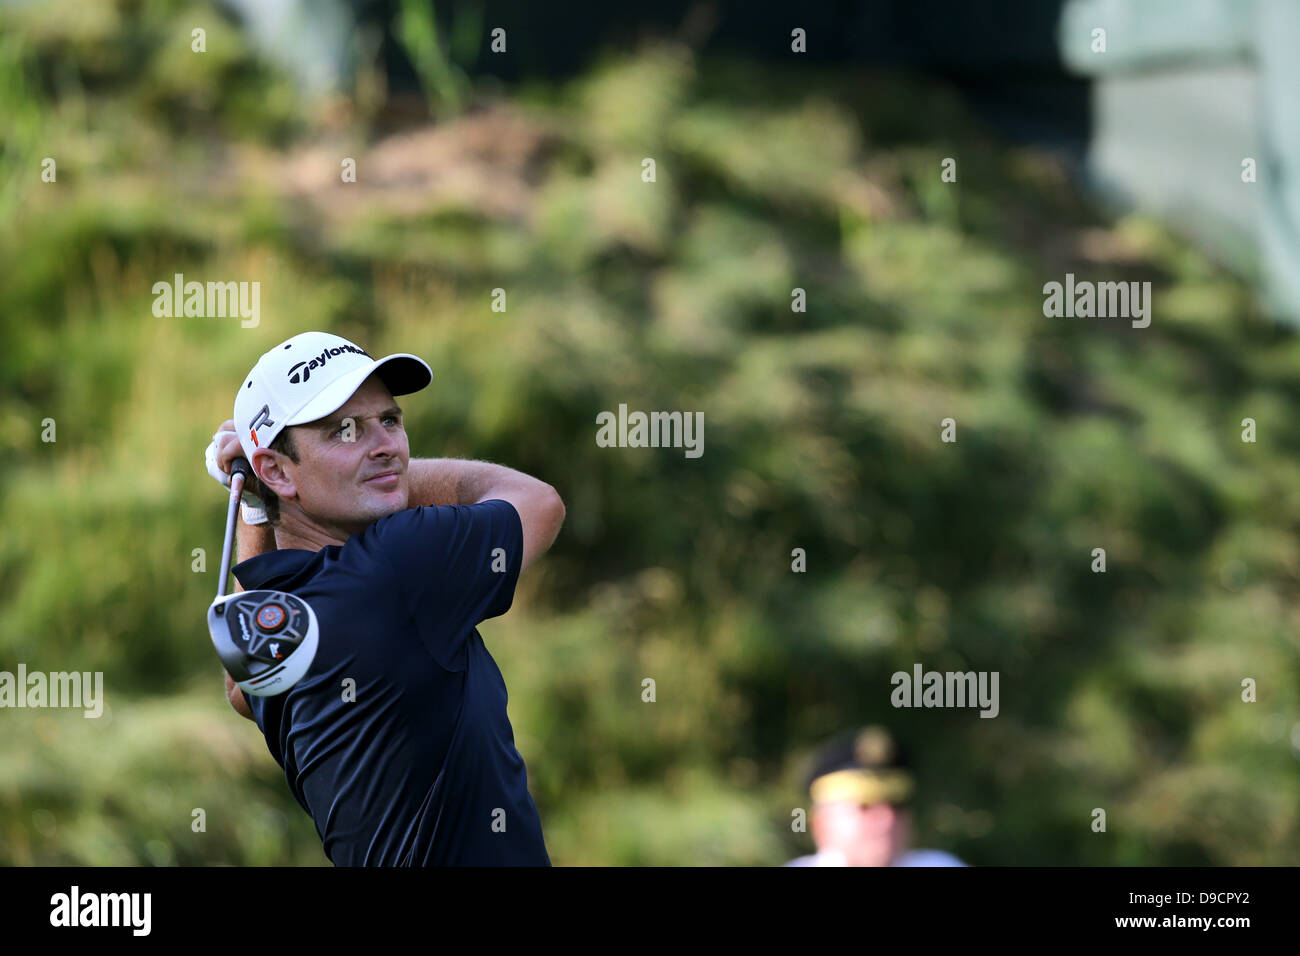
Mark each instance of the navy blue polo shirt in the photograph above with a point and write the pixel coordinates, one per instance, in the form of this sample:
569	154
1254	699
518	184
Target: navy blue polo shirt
396	741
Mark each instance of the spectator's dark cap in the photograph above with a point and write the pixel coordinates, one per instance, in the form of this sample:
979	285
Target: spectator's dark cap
865	767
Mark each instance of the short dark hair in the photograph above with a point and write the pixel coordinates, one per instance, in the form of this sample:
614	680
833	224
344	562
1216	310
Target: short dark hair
284	444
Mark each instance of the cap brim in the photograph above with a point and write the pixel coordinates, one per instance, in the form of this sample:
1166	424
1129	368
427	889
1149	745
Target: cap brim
401	373
404	373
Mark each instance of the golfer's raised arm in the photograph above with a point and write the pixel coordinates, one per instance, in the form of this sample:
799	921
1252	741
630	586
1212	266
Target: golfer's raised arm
444	481
251	540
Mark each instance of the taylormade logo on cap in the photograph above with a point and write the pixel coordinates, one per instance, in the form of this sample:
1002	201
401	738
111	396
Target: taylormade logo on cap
302	371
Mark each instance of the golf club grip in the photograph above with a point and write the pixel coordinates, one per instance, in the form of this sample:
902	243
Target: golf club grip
240	466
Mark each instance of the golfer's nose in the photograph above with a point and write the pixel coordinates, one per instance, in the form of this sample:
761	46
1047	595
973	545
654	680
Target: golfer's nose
384	443
384	448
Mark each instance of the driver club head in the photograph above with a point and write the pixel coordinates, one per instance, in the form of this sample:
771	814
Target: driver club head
265	639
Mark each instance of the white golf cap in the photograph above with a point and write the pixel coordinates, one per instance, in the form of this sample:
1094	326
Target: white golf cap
310	376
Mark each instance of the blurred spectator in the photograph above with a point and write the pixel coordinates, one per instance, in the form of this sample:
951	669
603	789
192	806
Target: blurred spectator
861	787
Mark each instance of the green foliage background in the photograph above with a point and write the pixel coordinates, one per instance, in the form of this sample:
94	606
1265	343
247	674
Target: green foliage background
1119	690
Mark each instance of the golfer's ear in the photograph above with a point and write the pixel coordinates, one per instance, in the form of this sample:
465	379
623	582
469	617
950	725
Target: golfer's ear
266	466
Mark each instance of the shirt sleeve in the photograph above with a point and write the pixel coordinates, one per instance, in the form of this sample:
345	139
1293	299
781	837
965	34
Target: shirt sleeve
453	566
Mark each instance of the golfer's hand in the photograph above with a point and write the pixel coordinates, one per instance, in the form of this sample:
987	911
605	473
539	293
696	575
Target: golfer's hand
212	455
227	449
220	455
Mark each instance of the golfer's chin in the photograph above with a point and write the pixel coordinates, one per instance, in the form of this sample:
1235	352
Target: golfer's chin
378	501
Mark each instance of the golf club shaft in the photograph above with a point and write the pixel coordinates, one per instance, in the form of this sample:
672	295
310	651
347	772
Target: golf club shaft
237	476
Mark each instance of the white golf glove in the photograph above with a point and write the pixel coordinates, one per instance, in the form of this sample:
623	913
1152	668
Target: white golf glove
249	507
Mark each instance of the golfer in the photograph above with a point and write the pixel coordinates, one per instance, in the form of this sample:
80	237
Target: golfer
396	741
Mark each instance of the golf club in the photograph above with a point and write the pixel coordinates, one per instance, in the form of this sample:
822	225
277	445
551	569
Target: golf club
265	639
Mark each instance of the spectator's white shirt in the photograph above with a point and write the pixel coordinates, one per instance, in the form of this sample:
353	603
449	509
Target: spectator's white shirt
910	858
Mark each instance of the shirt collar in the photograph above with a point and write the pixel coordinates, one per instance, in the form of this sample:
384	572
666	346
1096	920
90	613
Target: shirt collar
280	570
